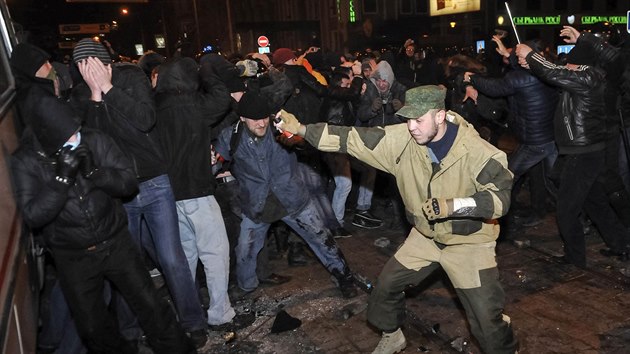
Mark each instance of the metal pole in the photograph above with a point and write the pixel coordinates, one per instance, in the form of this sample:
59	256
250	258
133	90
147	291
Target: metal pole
507	7
229	19
197	25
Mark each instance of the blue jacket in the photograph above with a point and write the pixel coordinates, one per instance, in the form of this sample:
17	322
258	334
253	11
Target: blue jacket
263	167
532	103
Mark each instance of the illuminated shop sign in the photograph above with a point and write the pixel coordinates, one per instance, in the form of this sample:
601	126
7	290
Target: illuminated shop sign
558	19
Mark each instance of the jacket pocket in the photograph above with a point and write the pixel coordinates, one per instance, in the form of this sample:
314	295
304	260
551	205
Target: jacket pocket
465	227
568	126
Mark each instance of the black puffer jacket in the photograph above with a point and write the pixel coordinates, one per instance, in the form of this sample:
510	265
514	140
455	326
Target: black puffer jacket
184	116
81	215
580	120
532	103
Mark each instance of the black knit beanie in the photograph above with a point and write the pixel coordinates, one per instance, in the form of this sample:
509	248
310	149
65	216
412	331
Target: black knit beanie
26	59
253	105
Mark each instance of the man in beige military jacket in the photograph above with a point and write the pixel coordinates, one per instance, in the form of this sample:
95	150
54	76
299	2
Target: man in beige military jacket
454	186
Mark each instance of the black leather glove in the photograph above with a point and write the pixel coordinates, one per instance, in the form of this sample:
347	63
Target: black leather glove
86	160
67	166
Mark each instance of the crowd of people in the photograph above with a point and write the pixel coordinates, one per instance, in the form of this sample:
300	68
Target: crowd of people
191	165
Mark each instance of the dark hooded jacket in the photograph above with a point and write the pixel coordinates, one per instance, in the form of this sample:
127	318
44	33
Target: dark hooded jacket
85	213
127	114
186	106
26	59
532	103
386	115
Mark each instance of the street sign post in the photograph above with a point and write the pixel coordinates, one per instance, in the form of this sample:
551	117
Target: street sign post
263	41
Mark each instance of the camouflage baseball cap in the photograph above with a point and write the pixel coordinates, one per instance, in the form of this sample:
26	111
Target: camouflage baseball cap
419	100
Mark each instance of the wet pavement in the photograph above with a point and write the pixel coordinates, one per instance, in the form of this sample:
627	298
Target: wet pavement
554	307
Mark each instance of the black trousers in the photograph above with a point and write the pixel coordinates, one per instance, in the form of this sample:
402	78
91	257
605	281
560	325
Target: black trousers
581	190
82	275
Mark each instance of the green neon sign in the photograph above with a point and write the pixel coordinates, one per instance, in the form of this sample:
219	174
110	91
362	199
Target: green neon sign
536	20
589	20
556	20
353	14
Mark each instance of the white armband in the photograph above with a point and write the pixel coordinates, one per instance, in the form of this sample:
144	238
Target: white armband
460	203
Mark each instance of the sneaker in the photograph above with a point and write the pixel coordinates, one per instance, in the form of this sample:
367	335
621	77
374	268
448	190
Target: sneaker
199	337
365	214
391	343
340	232
239	321
365	223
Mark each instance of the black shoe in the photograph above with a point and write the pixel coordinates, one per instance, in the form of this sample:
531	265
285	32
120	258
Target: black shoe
346	286
239	321
236	293
365	214
275	279
365	223
199	337
607	252
340	232
564	260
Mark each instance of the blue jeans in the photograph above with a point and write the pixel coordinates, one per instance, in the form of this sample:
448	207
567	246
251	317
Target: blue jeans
339	165
204	238
307	223
527	156
366	184
155	205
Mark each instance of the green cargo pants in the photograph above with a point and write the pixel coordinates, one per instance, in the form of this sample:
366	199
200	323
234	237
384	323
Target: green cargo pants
473	271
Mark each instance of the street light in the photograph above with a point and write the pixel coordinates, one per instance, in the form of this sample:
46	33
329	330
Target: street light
124	11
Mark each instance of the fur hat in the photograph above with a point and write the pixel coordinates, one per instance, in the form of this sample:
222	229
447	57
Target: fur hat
87	47
26	59
253	105
53	120
281	55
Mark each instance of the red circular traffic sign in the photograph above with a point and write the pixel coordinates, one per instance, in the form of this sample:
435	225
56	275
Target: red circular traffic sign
263	41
